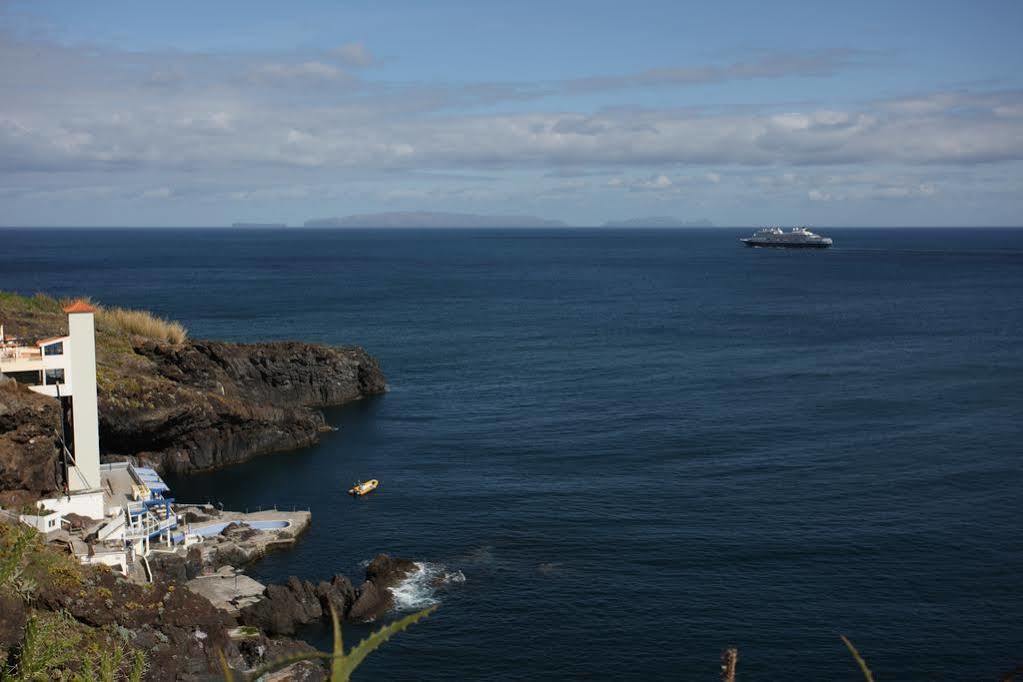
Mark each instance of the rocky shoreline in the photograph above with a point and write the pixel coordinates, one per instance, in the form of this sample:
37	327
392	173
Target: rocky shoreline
212	568
183	406
180	629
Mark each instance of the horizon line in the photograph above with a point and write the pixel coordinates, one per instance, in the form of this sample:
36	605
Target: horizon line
285	226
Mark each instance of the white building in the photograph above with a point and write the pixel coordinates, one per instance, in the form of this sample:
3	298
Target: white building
127	503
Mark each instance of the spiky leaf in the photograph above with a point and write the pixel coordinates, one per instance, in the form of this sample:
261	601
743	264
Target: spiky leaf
281	663
859	659
345	666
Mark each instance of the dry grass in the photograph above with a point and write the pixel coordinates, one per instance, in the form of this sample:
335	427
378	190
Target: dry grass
141	323
31	316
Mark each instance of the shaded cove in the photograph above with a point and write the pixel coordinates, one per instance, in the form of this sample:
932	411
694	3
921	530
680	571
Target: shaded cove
637	446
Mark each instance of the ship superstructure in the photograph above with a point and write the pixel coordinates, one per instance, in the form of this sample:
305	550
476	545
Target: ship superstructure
796	238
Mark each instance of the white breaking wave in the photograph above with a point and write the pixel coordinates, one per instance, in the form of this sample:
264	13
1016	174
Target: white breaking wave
419	589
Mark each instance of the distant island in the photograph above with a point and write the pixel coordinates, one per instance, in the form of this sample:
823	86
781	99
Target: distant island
431	219
659	221
259	225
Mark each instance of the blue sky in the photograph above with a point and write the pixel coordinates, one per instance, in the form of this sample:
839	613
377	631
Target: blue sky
868	113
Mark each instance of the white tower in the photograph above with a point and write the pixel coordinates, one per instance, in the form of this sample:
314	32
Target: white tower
85	420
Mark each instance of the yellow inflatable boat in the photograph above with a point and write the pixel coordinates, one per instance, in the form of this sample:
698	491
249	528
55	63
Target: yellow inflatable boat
363	488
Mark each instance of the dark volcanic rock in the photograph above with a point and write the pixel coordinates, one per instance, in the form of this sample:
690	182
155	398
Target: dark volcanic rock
297	602
13	616
256	651
338	593
374	597
216	404
280	373
176	568
371	602
388	571
284	608
191	631
230	554
28	445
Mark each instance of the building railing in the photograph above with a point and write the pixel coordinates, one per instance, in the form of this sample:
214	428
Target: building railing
21	359
20	353
135	508
150	526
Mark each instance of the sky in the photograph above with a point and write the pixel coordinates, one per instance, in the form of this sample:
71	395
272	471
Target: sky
125	113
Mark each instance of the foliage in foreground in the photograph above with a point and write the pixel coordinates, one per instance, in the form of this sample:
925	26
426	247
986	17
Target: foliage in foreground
859	659
53	650
26	563
55	646
342	665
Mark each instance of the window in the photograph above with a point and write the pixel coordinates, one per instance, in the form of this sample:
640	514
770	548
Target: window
55	376
54	349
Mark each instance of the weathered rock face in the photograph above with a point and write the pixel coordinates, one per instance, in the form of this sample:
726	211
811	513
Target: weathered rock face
214	404
175	568
338	593
375	597
387	571
261	649
12	623
280	373
286	607
182	632
28	448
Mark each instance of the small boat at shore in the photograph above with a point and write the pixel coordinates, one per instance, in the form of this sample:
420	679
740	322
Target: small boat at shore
363	488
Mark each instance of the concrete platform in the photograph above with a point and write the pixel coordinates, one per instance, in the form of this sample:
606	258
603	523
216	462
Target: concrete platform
227	589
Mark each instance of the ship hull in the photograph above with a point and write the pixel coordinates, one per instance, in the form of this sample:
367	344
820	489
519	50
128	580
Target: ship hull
783	245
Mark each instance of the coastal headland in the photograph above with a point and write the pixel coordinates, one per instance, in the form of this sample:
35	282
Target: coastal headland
177	405
174	403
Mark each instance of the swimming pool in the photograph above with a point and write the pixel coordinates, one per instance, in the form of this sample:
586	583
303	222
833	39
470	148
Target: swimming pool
216	528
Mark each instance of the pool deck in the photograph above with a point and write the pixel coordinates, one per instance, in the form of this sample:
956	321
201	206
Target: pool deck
225	586
216	520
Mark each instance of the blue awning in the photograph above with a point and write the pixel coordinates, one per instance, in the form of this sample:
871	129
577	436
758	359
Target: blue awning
151	479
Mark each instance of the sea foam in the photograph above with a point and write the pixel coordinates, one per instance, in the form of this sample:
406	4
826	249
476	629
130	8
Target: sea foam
419	589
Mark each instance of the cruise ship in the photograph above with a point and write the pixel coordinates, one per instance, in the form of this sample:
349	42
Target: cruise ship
796	238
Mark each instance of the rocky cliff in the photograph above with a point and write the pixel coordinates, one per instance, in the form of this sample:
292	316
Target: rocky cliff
183	406
206	404
28	450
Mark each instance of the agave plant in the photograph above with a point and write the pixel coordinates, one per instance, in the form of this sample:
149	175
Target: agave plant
342	665
867	675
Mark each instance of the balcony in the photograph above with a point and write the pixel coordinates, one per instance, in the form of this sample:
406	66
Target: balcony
20	359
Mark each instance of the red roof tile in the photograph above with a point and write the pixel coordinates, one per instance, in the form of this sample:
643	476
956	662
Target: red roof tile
79	306
50	340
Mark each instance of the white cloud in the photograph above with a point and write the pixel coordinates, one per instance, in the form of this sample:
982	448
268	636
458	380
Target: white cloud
311	71
213	128
353	54
158	193
873	192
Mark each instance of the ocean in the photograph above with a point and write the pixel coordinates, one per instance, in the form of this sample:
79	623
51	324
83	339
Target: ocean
620	451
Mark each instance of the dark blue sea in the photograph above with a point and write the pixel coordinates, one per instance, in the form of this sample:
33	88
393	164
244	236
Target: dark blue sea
637	447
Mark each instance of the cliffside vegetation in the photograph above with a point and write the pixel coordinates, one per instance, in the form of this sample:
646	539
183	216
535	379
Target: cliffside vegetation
42	643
